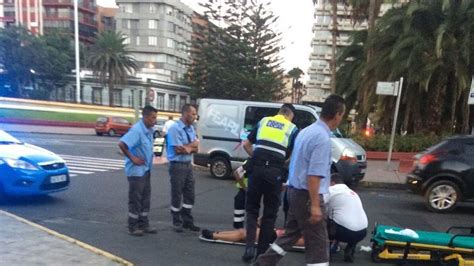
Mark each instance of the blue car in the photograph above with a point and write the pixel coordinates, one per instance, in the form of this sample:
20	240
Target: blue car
26	169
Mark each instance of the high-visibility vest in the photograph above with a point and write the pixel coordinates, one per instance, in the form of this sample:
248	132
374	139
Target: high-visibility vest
274	134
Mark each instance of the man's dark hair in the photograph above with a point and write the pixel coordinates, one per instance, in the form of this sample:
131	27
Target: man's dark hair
187	107
286	109
337	178
333	105
147	110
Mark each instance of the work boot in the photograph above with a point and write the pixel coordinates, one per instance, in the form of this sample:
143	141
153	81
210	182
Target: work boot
249	254
191	227
136	232
349	253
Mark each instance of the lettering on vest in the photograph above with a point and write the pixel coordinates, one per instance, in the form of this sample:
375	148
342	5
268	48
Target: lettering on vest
275	124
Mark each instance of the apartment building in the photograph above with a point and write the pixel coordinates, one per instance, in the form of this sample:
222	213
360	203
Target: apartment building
7	12
319	84
158	34
106	18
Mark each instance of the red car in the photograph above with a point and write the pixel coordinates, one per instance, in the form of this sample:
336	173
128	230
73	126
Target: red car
112	126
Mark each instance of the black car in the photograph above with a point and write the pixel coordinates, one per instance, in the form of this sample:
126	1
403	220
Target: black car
444	173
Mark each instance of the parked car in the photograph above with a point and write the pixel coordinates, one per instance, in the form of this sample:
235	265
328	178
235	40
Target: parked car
223	124
112	126
26	169
444	173
158	128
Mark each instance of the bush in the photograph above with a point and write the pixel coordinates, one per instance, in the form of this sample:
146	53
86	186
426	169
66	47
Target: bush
408	143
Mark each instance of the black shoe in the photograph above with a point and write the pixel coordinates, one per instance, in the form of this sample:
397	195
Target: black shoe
249	254
178	228
349	254
207	234
191	227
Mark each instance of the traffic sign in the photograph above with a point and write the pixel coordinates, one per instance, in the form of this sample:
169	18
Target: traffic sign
471	93
387	88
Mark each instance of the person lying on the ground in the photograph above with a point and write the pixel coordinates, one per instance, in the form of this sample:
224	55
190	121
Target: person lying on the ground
239	235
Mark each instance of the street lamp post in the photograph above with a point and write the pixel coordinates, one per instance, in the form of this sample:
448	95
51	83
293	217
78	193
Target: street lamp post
76	44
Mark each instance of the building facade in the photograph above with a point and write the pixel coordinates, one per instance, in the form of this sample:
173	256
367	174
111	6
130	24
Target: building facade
164	96
106	18
59	14
158	34
7	12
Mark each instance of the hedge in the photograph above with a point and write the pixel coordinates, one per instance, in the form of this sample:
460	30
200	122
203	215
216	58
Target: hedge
407	143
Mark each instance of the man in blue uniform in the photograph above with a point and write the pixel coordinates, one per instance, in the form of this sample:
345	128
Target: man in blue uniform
137	146
182	142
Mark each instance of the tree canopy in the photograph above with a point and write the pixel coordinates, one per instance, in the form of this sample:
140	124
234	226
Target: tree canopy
238	54
429	43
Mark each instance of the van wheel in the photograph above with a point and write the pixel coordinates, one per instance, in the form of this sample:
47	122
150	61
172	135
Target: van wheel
442	196
220	167
112	133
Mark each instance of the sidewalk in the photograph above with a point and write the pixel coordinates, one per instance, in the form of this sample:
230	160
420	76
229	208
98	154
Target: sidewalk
25	243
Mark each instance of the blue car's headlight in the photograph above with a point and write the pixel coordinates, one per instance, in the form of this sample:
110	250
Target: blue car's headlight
20	164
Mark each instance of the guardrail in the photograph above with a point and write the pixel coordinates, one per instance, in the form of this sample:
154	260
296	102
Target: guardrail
36	105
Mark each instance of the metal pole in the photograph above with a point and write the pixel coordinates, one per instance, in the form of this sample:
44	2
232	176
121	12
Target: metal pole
76	42
392	138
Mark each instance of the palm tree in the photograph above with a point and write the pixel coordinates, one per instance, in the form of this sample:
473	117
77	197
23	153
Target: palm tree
110	60
296	86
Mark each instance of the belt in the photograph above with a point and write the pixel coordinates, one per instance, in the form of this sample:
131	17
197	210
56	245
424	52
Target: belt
302	190
178	162
259	162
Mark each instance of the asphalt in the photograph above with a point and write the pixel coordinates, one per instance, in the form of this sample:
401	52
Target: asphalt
26	243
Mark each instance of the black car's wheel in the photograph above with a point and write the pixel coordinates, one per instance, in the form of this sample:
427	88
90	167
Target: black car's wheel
156	134
220	167
442	196
112	132
98	133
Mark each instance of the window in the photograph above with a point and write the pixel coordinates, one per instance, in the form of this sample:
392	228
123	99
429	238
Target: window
152	24
172	103
134	24
137	40
152	8
170	26
254	114
152	40
169	10
303	119
160	101
170	43
97	95
140	99
174	75
126	39
182	101
116	98
126	23
126	8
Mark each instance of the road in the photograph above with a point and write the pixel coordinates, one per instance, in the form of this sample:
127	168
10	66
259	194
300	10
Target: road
94	209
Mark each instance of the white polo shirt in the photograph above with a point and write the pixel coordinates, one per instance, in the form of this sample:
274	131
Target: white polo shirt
345	208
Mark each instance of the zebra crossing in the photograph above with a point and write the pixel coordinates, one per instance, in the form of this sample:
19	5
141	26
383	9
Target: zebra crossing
82	165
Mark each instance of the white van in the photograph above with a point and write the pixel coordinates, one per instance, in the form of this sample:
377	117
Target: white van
223	124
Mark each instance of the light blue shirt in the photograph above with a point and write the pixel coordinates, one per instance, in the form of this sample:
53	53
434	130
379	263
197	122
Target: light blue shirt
139	140
311	157
178	135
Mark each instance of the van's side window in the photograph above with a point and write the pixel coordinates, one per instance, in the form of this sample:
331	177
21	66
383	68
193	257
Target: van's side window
303	119
253	115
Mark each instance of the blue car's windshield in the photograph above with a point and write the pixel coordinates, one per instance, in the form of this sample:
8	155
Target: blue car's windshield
6	138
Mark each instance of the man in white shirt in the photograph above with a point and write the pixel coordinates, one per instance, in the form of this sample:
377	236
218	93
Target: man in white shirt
167	125
347	219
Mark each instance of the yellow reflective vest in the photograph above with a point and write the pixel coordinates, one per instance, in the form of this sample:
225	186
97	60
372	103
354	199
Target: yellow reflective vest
274	134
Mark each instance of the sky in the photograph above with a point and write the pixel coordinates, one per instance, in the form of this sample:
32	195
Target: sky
295	23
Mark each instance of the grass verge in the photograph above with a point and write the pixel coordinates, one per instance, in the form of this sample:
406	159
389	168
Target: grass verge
47	115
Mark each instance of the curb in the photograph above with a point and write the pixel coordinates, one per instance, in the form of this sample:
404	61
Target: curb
69	239
370	184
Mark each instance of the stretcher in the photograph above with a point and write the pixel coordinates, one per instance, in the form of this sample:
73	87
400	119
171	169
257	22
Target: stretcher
202	238
404	246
